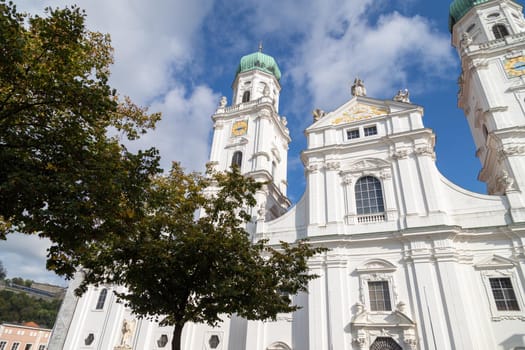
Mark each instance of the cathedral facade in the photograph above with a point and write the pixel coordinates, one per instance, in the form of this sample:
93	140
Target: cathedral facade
414	261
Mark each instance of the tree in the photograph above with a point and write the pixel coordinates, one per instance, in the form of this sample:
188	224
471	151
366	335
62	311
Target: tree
62	176
19	308
3	271
180	268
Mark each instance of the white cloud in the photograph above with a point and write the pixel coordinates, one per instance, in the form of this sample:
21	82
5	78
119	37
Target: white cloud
338	40
185	126
384	54
153	42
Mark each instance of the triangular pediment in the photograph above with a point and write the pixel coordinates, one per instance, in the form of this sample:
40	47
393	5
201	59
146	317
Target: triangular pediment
358	109
495	262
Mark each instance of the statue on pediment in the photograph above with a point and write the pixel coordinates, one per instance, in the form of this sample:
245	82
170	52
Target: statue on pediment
402	96
318	114
358	88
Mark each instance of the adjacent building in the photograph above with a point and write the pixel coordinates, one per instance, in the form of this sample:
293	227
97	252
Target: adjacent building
28	336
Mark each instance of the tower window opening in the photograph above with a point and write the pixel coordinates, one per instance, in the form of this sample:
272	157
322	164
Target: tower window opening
246	96
472	26
500	31
237	159
493	15
101	299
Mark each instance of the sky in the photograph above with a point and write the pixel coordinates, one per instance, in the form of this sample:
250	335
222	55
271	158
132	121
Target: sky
179	57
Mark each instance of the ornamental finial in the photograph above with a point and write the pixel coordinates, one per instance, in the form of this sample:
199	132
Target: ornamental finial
260	46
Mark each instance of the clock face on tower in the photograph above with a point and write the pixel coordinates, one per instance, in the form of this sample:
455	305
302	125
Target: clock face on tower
239	128
515	67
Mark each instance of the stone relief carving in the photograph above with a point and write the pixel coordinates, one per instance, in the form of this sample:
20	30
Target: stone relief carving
425	151
360	307
385	174
359	111
505	181
400	154
332	165
312	168
512	150
402	96
360	342
264	114
411	343
348	180
401	307
479	64
368	164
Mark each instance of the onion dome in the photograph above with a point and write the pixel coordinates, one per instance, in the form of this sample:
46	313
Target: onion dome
459	8
259	61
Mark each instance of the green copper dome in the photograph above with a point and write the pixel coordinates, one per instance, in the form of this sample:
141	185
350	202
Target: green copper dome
259	61
459	8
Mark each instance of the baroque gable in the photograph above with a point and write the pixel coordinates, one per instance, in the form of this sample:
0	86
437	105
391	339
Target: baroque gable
356	110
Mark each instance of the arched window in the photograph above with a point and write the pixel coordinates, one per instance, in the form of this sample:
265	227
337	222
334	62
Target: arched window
102	299
500	31
246	96
237	159
369	196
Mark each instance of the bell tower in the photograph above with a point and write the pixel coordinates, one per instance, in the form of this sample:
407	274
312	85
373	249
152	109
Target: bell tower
489	36
252	135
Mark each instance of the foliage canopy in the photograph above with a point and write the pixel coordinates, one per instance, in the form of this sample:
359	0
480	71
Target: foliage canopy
62	176
20	308
179	267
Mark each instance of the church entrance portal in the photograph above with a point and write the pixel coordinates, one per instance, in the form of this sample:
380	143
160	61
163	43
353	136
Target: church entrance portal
383	343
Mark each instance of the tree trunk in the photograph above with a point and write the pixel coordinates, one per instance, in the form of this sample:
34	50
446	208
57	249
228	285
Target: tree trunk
177	336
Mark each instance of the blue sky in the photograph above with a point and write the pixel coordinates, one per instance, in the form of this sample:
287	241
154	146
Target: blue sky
179	57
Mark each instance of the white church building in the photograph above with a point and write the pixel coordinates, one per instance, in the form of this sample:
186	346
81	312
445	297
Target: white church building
414	262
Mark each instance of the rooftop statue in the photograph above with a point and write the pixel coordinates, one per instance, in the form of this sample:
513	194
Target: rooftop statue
358	88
